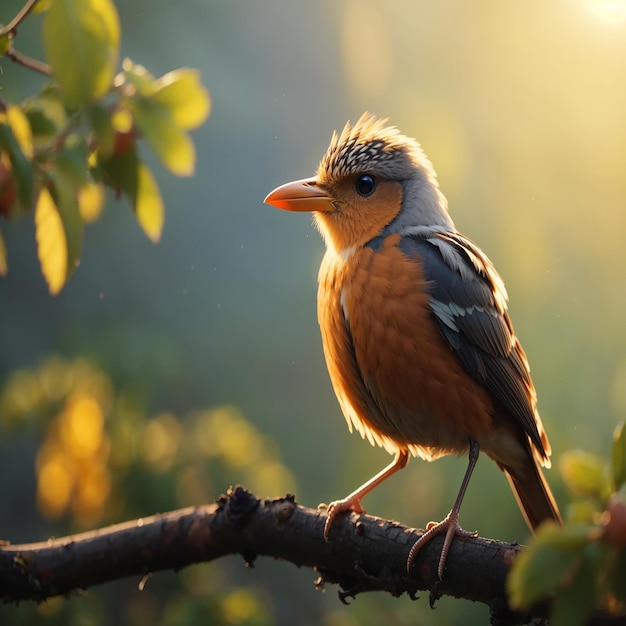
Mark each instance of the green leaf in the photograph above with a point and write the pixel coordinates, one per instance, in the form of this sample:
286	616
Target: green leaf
183	94
71	163
126	173
120	173
67	183
101	124
570	536
573	602
149	205
619	456
81	42
51	91
20	165
583	511
4	267
585	474
538	570
46	114
168	140
41	124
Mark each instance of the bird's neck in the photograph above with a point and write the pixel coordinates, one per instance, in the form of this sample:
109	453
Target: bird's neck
344	235
423	205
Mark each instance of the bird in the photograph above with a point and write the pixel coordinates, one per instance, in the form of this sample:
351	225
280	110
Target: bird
418	343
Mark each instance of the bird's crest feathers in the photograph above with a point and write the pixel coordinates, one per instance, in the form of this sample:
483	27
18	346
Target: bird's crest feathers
370	144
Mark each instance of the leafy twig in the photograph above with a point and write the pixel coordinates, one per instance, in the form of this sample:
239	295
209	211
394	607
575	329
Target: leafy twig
29	62
11	27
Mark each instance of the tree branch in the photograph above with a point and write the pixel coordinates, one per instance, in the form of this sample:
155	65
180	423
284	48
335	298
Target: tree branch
11	27
364	553
15	56
29	62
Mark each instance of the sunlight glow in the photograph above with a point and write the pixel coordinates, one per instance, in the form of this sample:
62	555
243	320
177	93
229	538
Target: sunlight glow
611	13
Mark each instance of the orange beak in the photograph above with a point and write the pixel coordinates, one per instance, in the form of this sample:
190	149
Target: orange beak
300	195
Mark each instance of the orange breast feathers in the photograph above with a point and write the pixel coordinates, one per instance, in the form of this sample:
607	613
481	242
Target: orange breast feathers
398	382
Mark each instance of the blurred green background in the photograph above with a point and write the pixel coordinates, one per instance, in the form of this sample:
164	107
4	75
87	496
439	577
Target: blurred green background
521	108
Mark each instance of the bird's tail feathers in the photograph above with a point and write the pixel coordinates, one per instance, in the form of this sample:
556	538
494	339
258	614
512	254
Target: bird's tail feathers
533	493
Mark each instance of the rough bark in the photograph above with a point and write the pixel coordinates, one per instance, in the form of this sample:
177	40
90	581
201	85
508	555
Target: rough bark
364	553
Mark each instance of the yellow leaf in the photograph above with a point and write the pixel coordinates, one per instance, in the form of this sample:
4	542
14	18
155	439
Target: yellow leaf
40	7
81	41
6	43
168	140
149	205
4	268
21	129
90	201
182	92
51	242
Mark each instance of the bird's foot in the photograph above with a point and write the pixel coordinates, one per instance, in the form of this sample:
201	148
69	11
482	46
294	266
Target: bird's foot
351	504
451	527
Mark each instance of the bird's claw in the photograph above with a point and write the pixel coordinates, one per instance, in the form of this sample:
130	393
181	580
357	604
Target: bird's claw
347	505
451	527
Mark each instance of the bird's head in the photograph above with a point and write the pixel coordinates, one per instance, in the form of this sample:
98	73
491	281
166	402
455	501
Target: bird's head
371	180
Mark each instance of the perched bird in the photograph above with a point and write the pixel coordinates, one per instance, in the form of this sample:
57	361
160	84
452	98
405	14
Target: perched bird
418	342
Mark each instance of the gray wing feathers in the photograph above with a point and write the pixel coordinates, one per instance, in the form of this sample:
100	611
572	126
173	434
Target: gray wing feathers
468	301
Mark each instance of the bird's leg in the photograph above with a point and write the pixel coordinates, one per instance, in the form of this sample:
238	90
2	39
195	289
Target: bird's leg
450	525
353	501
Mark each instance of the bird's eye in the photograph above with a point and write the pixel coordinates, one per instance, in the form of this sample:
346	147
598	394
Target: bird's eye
365	185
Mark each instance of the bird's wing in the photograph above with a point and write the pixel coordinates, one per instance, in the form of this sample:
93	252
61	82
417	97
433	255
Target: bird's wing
468	302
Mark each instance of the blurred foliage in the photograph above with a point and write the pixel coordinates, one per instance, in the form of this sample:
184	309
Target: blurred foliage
102	459
582	564
520	108
60	148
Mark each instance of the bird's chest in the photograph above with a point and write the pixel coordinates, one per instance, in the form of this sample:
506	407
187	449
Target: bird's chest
379	301
390	367
374	316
